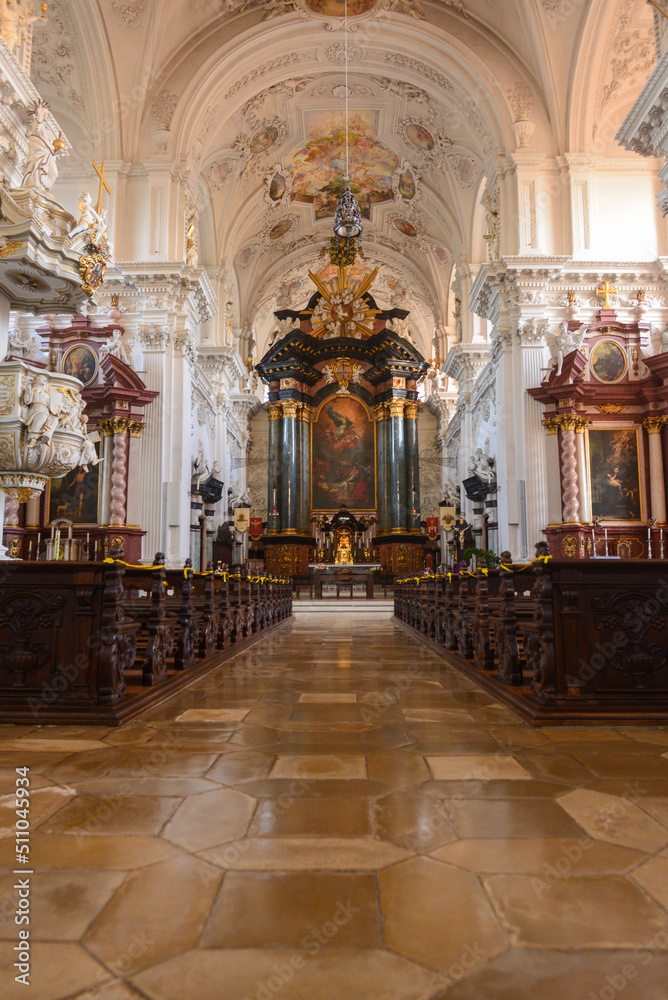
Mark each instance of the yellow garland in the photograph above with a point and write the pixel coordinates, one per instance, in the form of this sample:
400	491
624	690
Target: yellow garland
132	565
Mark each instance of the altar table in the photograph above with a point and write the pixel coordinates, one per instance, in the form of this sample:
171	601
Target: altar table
343	576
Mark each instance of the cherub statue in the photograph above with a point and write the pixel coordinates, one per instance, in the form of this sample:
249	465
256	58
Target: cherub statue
41	168
564	343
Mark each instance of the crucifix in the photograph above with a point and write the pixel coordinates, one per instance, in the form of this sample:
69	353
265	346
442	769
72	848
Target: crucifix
103	184
606	291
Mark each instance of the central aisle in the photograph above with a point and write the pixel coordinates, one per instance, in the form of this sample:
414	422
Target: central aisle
336	814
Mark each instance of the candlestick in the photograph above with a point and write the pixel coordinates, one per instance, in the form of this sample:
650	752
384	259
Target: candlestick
606	540
88	538
649	542
29	549
593	543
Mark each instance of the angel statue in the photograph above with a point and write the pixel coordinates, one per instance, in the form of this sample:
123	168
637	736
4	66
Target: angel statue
564	343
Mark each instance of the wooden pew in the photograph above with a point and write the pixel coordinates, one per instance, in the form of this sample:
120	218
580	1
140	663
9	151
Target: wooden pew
145	602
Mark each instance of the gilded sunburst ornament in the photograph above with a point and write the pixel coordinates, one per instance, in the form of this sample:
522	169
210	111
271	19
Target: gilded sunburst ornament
342	311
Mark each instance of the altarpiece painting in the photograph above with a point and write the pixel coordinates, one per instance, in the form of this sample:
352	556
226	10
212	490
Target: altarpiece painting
343	456
615	475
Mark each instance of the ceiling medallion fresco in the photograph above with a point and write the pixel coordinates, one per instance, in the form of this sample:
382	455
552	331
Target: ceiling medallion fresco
263	139
421	137
405	227
318	168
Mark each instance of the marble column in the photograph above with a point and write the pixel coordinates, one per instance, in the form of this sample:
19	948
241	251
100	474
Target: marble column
382	471
411	411
551	425
584	490
569	470
653	426
274	472
397	466
118	427
133	511
289	463
305	469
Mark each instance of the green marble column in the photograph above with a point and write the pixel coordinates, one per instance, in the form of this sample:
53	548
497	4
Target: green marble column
305	469
382	471
411	411
289	468
274	467
396	460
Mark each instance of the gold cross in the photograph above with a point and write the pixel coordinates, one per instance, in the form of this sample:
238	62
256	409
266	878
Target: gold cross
606	292
103	184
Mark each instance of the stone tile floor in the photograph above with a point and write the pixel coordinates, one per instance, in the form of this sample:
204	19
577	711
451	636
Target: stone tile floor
337	813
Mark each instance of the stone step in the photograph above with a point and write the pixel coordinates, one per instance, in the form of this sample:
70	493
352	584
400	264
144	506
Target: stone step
338	606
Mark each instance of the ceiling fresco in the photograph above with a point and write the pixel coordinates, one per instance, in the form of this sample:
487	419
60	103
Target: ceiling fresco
319	168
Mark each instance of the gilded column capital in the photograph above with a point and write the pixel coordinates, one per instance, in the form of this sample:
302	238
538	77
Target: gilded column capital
653	425
306	412
115	425
381	411
411	410
290	408
581	424
397	407
552	425
569	422
275	411
135	427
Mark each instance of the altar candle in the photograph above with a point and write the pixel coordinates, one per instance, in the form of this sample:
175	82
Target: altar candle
606	540
29	549
593	542
95	552
88	538
39	540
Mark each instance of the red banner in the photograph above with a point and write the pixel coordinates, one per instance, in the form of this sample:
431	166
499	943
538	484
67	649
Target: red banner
432	528
256	528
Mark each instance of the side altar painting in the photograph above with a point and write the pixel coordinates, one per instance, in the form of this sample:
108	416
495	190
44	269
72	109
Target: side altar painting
343	456
615	476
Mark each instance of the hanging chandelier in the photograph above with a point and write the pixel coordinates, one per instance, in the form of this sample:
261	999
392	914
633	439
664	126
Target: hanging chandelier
343	247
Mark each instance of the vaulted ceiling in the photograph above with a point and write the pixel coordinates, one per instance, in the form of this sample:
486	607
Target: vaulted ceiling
246	98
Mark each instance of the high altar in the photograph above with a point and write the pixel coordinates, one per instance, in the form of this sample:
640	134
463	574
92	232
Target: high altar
343	407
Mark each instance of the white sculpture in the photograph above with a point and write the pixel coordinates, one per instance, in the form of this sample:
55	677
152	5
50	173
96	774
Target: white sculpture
564	343
15	23
40	415
90	222
241	496
41	167
88	454
451	493
484	464
664	339
21	345
116	347
200	464
400	327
